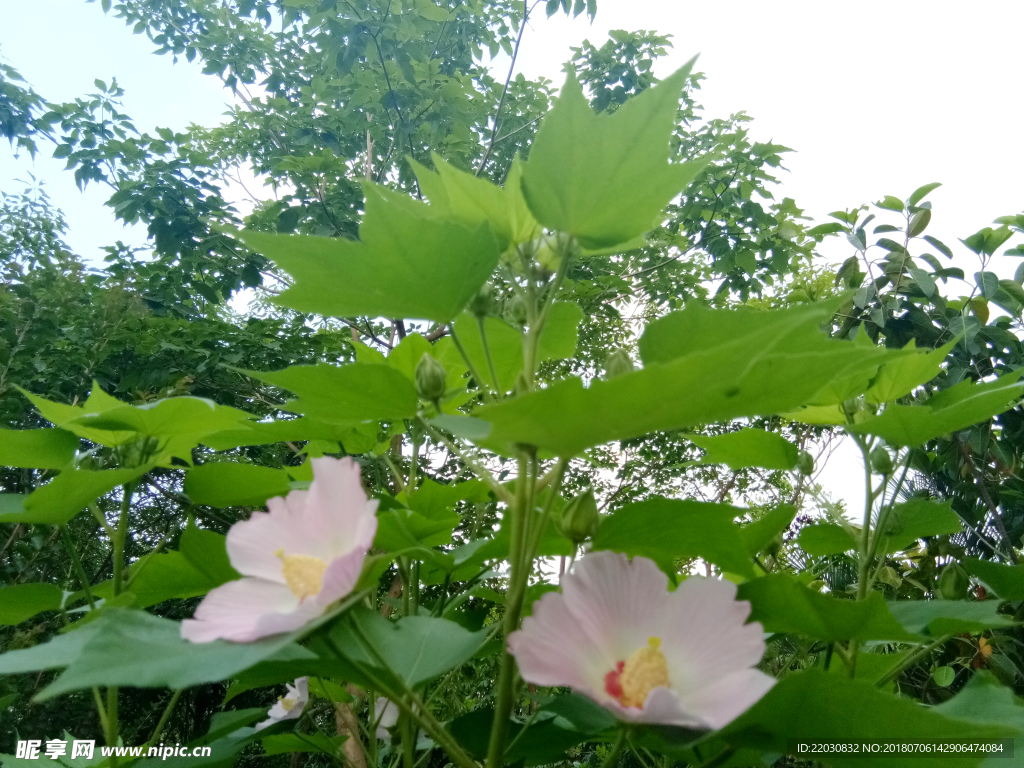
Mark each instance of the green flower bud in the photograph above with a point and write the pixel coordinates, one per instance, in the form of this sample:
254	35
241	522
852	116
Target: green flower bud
482	304
515	310
953	582
805	463
617	363
580	517
881	461
548	257
850	407
431	378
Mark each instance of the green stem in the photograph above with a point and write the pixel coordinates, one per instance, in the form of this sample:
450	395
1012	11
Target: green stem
531	343
556	486
102	709
423	717
504	697
865	540
469	364
408	731
883	520
164	718
613	756
120	534
112	722
499	490
76	563
487	354
913	658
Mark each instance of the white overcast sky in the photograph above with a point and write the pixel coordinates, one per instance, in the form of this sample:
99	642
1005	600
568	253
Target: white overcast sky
875	97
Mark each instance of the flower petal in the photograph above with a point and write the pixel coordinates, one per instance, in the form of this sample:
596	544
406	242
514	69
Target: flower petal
663	706
251	543
342	574
727	698
617	603
705	637
542	653
337	507
246	610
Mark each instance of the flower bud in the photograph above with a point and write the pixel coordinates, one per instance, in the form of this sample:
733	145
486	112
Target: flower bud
580	517
618	363
548	257
482	304
431	378
515	310
953	582
881	461
805	463
850	407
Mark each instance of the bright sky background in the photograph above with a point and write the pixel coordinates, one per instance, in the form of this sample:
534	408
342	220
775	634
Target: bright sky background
875	97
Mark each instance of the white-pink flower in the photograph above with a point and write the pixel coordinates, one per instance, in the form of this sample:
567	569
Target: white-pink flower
616	634
289	706
297	559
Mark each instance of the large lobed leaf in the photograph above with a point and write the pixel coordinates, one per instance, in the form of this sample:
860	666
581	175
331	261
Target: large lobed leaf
952	409
701	366
410	262
606	178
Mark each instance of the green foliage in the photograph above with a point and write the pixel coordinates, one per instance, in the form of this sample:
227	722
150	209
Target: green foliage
504	311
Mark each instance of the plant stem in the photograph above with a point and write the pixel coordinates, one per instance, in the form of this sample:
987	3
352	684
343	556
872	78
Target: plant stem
76	563
164	718
469	364
112	722
120	534
613	756
487	354
914	657
503	699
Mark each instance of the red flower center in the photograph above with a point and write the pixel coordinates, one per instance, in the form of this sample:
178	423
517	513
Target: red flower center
612	684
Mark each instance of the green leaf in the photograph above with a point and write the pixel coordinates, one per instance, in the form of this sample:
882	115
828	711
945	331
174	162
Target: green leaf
902	376
68	416
303	742
227	484
782	604
890	203
940	246
988	282
984	701
560	333
760	533
920	193
37	448
346	394
944	676
948	617
557	340
825	539
415	648
814	706
544	742
69	493
473	200
1007	581
505	344
264	433
404	245
23	601
606	178
952	409
914	520
701	366
200	565
132	648
747	448
172	417
664	529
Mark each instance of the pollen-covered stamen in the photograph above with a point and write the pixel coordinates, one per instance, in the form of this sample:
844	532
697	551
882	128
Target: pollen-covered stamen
288	704
302	573
644	671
